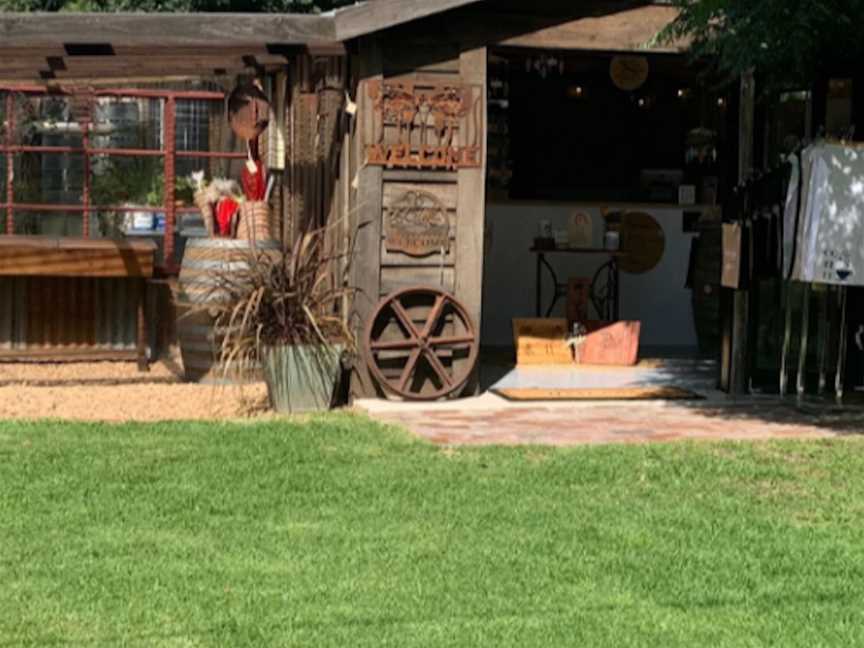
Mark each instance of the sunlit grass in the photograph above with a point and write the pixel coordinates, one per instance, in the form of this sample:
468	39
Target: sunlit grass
338	532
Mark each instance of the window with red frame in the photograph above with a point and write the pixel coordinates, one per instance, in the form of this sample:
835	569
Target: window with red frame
111	163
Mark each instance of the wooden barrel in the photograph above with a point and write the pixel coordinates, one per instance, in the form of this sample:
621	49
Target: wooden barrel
204	261
707	266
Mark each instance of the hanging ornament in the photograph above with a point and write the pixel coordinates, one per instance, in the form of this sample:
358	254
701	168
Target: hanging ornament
248	111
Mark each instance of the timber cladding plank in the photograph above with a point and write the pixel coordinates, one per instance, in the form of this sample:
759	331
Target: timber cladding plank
152	30
398	278
32	256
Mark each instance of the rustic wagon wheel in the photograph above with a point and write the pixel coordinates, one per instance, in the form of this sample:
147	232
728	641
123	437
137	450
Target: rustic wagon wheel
421	344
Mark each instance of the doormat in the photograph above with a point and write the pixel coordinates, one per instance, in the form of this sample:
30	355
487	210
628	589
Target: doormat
618	393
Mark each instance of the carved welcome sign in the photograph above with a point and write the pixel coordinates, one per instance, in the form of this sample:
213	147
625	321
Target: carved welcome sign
425	126
417	225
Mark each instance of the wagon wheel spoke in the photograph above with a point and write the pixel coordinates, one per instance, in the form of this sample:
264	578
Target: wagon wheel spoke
435	362
403	317
434	316
395	345
408	371
451	341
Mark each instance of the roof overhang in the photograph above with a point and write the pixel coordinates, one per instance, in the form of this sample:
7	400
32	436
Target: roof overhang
376	15
57	47
65	47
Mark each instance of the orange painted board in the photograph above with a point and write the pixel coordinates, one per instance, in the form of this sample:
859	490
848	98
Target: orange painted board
609	343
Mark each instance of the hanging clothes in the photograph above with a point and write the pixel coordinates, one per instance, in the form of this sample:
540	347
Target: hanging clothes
828	241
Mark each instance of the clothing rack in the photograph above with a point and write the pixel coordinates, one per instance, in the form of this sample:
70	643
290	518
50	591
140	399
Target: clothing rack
836	296
758	205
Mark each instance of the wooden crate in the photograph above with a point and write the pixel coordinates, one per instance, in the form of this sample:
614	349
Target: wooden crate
541	342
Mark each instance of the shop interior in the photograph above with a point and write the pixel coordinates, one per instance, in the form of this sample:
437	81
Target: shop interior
606	177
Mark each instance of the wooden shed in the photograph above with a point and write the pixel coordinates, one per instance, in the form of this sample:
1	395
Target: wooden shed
385	116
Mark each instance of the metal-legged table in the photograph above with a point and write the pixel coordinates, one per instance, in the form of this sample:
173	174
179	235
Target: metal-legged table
560	289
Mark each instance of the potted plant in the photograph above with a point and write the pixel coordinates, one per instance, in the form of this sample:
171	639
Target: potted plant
286	311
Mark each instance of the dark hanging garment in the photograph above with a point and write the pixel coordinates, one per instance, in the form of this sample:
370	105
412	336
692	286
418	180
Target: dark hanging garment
689	283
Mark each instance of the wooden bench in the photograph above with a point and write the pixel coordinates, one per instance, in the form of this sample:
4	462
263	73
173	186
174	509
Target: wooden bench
38	256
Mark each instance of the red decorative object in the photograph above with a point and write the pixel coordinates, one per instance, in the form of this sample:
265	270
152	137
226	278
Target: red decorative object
254	184
610	343
226	209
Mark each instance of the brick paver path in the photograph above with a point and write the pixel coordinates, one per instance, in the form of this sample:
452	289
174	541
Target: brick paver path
577	424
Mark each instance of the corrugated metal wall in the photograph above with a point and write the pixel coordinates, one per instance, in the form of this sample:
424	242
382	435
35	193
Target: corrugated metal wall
67	313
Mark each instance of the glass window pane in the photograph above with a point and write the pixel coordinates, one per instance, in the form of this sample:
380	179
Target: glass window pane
127	122
121	181
202	126
193	124
48	223
49	178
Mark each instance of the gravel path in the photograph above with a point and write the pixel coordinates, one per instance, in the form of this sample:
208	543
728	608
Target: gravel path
117	391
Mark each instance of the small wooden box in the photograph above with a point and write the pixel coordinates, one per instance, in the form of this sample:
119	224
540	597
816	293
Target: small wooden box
541	342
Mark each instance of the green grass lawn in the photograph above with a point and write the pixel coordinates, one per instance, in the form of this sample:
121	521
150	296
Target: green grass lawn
343	533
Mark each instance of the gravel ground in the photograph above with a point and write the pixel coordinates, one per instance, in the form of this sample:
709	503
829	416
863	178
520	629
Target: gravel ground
117	391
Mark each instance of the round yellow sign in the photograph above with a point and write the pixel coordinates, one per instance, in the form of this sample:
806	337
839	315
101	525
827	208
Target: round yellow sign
629	72
642	243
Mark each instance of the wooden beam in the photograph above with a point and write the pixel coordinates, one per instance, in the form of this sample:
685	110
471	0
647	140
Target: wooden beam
128	68
41	29
366	261
30	82
741	345
471	207
371	17
48	257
